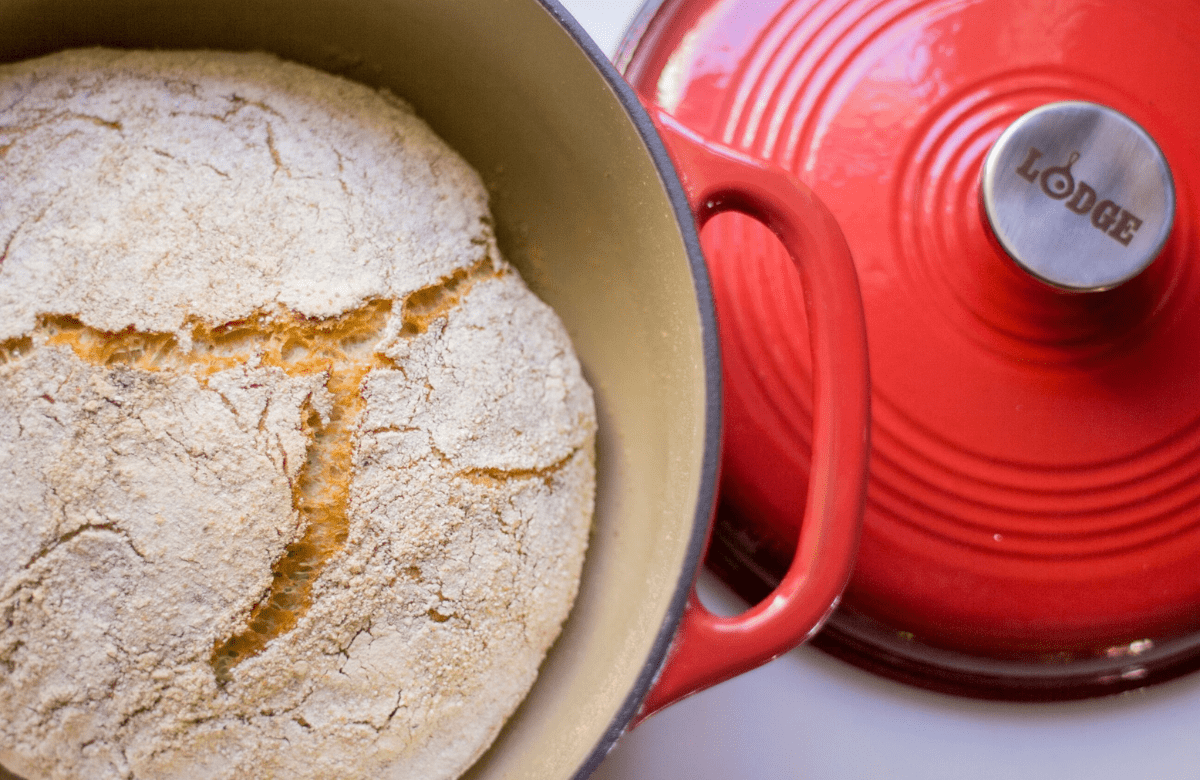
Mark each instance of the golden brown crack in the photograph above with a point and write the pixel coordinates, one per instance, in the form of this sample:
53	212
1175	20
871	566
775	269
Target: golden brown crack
438	617
320	493
429	303
11	349
344	349
297	345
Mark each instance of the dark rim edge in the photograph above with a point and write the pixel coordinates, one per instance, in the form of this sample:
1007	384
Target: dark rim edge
706	498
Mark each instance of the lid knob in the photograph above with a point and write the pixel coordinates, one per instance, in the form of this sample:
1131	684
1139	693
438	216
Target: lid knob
1079	195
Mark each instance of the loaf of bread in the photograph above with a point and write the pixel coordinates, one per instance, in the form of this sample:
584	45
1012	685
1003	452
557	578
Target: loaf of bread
296	475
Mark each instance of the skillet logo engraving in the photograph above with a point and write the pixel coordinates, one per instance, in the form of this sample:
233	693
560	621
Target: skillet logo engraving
1114	221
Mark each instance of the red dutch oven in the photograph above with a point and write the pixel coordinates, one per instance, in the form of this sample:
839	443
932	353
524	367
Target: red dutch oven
589	208
1016	184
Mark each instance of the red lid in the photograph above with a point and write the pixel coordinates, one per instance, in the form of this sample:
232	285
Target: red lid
1033	515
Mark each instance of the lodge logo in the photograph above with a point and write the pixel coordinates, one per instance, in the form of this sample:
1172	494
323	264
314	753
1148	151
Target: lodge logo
1058	183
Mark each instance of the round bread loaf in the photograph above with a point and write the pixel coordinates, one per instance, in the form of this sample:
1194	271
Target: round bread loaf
296	475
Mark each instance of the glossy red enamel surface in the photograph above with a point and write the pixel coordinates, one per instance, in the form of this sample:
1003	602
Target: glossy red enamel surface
1034	495
709	648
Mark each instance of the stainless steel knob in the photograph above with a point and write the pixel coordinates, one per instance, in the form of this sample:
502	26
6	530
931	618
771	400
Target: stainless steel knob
1079	195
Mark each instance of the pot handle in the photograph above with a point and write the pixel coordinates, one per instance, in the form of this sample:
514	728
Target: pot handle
709	649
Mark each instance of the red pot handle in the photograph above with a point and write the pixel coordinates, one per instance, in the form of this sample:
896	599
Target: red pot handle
709	649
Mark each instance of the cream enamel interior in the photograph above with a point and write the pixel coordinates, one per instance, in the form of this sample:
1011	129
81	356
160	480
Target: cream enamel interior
582	212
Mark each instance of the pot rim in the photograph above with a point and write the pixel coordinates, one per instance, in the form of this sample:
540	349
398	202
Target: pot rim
710	459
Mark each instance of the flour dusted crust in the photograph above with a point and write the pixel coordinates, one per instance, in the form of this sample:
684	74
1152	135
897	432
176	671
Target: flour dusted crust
295	473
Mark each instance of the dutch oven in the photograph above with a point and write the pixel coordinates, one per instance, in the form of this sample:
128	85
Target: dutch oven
590	210
1015	180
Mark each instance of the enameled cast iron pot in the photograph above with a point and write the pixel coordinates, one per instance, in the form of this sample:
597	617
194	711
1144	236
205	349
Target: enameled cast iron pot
1017	184
590	210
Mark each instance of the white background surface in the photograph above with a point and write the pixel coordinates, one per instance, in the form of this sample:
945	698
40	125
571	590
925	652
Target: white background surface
809	716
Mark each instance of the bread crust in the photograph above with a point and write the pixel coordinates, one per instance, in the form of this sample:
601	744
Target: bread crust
296	474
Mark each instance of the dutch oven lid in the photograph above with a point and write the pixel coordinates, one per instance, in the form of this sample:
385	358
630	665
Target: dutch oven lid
1015	181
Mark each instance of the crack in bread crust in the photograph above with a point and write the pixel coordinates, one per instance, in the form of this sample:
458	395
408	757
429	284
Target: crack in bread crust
342	348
